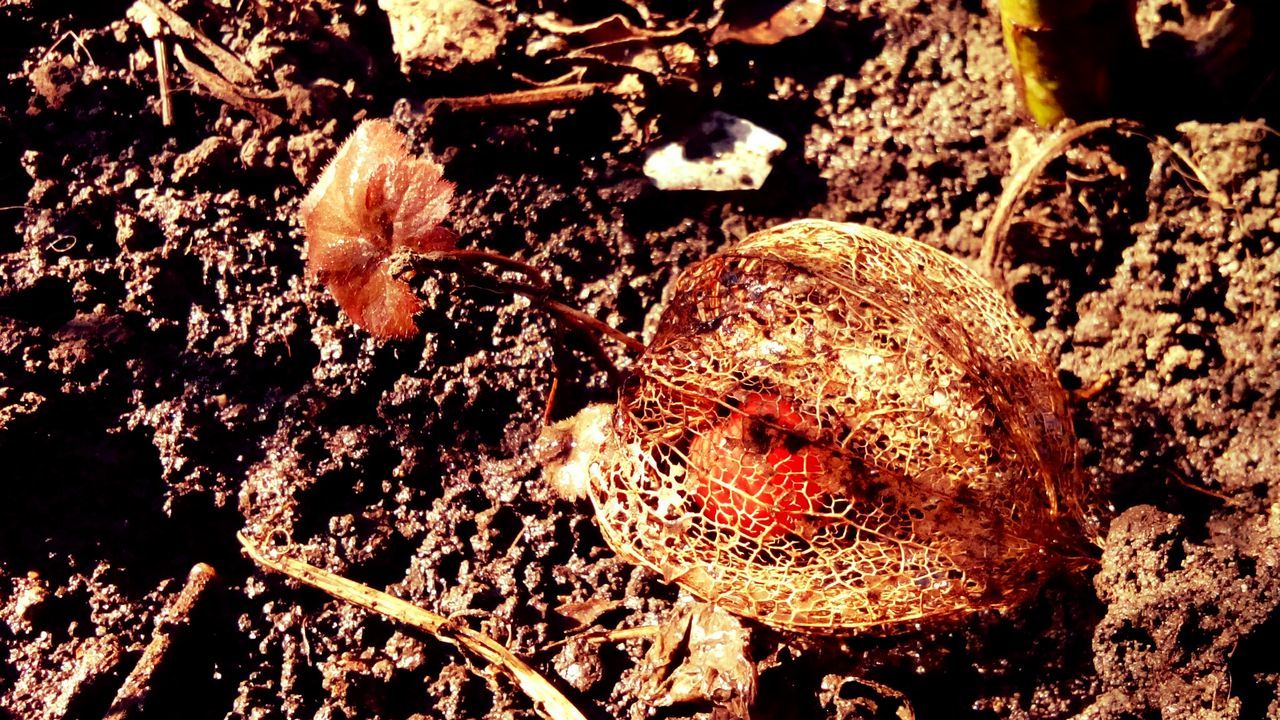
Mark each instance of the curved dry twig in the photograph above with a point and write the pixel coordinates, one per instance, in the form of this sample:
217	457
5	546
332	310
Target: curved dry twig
549	701
996	233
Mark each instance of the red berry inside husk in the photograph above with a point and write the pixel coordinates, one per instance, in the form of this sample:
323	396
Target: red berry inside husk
748	474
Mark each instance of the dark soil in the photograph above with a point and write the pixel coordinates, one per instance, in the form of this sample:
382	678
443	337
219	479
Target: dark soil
168	376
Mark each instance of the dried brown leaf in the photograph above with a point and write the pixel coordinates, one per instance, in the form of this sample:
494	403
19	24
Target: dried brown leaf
757	22
375	198
700	656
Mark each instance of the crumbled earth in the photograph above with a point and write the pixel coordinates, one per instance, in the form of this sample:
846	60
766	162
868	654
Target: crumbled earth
169	376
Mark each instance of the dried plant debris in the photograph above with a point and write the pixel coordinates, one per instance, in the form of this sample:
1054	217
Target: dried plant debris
443	35
614	46
669	49
700	657
837	429
765	22
723	153
374	199
131	699
231	80
621	53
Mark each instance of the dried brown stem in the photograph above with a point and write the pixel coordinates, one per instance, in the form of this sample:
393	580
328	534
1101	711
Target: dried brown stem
586	322
548	701
499	260
176	614
592	328
530	98
538	291
162	76
551	399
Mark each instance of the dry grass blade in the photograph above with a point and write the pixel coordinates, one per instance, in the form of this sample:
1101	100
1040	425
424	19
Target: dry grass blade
131	699
998	228
549	702
556	96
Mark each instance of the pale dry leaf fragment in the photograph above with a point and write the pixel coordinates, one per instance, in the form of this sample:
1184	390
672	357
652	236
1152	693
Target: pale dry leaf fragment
442	35
764	23
700	655
374	199
584	613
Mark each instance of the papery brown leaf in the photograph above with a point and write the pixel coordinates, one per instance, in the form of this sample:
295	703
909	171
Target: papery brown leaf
755	22
373	199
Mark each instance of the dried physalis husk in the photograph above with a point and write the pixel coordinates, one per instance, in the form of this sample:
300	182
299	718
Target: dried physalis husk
837	429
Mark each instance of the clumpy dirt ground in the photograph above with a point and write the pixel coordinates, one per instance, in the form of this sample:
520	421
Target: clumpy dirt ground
169	377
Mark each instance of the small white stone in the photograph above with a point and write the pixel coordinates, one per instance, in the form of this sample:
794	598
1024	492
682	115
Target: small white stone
724	153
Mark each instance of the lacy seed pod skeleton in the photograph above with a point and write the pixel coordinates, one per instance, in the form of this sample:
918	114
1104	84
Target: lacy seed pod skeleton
837	429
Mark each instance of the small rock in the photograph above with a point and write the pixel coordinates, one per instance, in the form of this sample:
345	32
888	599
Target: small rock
136	233
29	594
210	158
305	152
52	81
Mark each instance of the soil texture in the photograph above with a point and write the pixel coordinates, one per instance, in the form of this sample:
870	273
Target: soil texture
169	375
